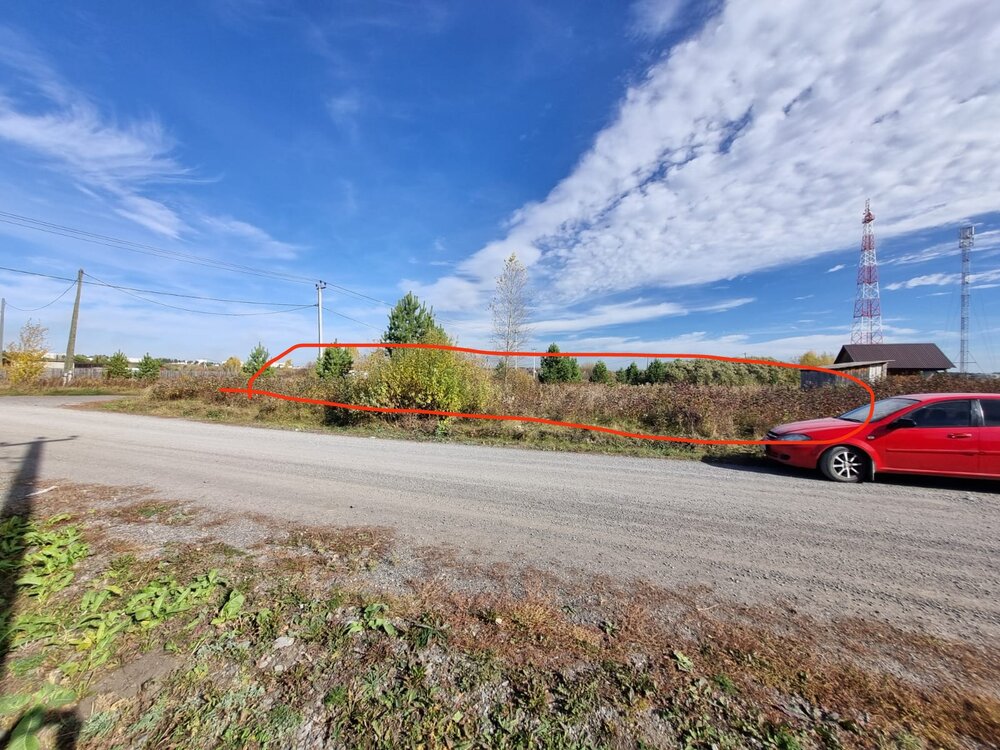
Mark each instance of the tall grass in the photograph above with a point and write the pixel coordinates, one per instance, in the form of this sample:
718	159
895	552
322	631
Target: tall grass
682	409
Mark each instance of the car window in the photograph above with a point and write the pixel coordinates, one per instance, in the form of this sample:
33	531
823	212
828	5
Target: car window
944	414
883	408
991	411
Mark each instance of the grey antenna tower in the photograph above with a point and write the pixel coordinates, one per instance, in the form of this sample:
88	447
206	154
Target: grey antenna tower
966	238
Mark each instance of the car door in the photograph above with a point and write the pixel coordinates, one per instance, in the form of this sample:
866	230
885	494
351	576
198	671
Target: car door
944	440
989	437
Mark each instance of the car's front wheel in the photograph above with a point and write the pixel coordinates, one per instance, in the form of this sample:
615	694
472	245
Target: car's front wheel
843	463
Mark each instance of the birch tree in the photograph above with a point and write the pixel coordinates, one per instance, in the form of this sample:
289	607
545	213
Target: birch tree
510	310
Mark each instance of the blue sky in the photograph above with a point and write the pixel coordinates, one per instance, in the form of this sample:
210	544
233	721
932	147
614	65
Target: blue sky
678	176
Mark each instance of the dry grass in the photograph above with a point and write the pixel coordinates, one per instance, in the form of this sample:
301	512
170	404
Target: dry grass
697	411
514	653
160	511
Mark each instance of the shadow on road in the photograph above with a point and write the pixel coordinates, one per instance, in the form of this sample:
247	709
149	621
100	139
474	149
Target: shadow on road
18	508
760	465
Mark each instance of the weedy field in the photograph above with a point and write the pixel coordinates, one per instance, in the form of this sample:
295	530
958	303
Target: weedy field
709	411
134	621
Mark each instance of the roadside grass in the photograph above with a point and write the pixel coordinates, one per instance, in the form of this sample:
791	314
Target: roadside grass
680	410
240	411
316	636
81	386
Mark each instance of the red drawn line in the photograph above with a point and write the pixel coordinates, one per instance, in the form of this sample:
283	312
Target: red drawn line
250	391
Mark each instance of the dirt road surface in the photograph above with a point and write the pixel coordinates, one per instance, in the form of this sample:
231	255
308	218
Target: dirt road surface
915	552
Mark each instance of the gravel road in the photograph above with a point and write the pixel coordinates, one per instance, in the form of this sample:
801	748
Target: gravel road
915	552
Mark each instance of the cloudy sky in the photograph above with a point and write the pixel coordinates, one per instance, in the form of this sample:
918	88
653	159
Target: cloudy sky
678	175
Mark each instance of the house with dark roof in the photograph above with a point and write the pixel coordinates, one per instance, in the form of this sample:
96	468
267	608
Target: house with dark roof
902	359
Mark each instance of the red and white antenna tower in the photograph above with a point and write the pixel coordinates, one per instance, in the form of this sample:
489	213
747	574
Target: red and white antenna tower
867	327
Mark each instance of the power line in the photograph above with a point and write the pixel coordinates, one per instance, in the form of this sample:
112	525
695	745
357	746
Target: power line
100	283
154	291
26	222
35	309
188	309
353	320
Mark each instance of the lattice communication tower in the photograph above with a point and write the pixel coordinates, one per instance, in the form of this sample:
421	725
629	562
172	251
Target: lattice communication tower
867	327
966	238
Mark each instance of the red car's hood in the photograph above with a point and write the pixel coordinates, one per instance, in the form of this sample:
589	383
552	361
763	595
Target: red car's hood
811	426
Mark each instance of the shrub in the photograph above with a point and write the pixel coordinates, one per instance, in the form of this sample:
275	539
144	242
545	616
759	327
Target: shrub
424	379
117	367
26	356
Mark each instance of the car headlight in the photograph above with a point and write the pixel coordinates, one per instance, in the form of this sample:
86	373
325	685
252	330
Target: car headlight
794	436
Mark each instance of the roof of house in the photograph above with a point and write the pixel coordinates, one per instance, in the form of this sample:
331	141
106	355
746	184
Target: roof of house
899	356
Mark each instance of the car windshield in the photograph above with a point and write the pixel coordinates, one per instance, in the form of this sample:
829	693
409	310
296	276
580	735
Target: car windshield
883	408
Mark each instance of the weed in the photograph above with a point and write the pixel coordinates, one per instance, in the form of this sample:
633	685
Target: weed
48	550
27	664
230	609
372	618
98	725
335	696
684	663
724	684
429	628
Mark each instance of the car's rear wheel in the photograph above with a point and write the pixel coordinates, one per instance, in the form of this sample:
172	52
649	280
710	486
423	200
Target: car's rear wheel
842	463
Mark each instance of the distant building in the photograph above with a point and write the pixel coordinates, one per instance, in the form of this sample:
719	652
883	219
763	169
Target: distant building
901	359
870	372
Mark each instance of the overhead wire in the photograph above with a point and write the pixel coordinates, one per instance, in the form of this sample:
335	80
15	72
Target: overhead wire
62	230
36	309
92	280
202	312
348	317
27	222
154	291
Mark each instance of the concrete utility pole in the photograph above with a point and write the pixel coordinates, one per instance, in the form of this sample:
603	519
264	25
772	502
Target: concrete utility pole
70	362
319	317
3	312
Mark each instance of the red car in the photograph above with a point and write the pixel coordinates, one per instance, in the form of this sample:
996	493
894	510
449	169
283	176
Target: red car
942	434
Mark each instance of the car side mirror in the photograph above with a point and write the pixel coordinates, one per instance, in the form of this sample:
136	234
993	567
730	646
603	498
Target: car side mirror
902	422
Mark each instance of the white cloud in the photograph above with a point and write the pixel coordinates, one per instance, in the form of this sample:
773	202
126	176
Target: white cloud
263	244
754	144
984	241
834	269
151	214
634	311
344	110
69	134
655	17
942	279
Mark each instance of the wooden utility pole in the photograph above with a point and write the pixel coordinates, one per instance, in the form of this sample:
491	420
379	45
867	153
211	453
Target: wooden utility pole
70	362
